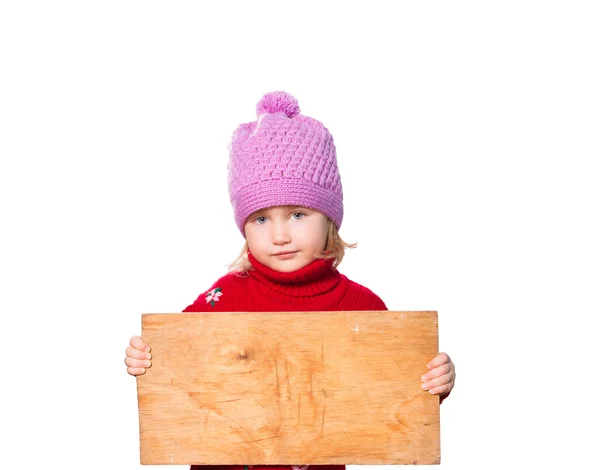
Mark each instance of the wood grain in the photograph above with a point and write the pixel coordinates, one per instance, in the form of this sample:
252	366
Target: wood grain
289	388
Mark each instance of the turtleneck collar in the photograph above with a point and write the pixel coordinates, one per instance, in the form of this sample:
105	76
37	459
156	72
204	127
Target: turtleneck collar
315	278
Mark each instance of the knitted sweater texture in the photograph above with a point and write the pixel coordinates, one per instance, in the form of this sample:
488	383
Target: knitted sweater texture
316	287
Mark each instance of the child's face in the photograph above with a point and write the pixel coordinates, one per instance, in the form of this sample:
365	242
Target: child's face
286	238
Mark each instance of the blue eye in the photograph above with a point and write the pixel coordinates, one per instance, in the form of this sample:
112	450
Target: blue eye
297	215
261	220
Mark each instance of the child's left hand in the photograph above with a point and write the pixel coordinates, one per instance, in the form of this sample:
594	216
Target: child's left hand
440	378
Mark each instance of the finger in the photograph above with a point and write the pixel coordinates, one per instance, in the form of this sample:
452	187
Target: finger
437	372
138	343
137	354
439	381
441	358
136	371
137	363
442	390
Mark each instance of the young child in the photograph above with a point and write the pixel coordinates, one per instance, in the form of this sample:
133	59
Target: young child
286	193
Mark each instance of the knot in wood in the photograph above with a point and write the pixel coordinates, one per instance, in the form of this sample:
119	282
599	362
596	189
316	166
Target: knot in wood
243	355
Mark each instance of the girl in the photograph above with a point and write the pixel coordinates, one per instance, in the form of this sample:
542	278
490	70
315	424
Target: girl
286	193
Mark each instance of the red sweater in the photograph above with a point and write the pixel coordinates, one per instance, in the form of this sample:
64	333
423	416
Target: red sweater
316	287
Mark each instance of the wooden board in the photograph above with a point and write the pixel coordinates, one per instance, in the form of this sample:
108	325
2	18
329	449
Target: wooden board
289	388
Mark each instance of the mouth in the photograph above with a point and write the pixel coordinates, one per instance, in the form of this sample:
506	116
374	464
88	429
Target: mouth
285	254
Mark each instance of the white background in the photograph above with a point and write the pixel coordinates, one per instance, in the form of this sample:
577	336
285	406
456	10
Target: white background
467	137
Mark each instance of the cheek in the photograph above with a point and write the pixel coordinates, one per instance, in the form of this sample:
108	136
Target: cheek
319	237
251	236
253	243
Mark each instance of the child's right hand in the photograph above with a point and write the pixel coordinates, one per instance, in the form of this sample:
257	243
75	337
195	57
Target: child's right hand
137	356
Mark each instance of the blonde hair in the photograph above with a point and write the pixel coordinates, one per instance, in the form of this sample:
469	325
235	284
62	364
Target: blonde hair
335	248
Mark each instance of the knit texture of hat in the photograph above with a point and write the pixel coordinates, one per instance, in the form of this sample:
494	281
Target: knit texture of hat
283	158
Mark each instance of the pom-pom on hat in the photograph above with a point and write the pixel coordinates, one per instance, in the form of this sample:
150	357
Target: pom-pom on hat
283	158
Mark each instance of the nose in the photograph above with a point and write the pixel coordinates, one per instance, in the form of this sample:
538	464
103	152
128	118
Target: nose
280	234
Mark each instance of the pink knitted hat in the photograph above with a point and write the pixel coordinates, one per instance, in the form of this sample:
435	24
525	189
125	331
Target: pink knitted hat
283	158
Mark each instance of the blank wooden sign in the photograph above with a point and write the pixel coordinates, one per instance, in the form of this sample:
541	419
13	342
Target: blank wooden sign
289	388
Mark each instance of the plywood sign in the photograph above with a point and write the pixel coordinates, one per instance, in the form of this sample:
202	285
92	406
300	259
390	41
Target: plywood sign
289	388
